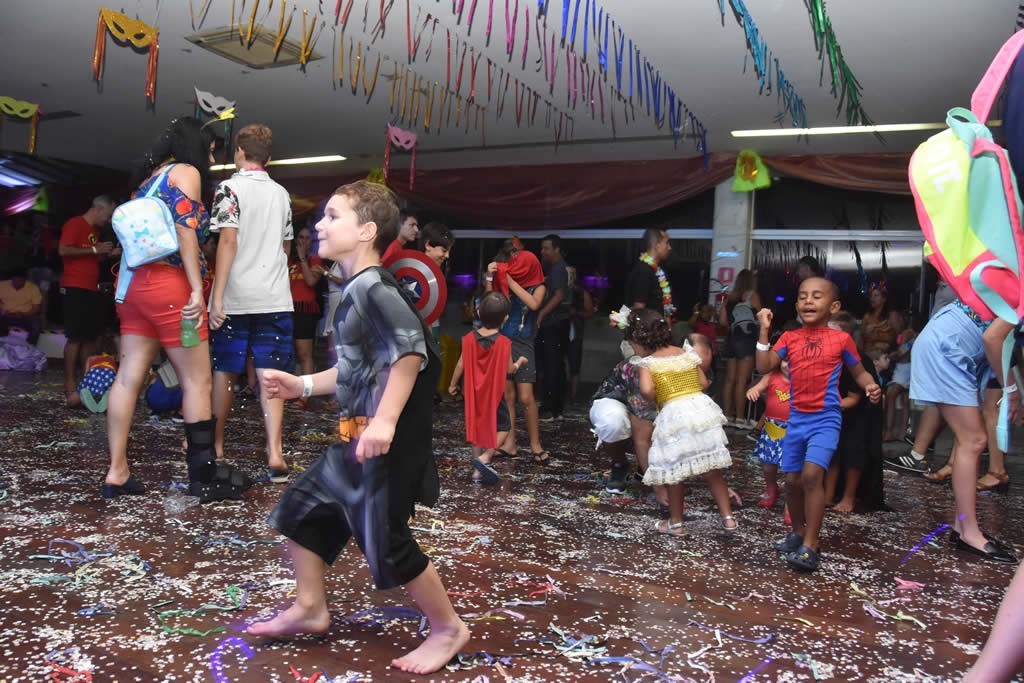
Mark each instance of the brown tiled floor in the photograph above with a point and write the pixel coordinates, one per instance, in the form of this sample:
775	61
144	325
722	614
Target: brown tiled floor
616	580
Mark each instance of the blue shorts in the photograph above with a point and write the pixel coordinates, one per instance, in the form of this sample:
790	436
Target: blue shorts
810	437
268	335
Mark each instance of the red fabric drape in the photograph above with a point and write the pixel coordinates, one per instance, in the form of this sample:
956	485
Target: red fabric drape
872	172
553	196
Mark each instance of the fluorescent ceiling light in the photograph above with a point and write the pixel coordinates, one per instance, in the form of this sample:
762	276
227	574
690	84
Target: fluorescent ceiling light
844	130
287	162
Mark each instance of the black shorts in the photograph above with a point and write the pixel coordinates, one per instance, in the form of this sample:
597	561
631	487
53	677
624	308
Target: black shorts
304	325
739	346
83	314
336	499
504	419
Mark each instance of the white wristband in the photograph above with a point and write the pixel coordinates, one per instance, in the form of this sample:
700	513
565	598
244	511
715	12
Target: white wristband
94	250
1010	388
764	347
307	386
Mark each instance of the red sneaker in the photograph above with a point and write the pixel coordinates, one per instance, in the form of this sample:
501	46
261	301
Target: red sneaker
769	497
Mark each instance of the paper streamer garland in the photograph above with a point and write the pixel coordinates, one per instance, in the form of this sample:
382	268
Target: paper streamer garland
133	31
765	64
845	85
23	110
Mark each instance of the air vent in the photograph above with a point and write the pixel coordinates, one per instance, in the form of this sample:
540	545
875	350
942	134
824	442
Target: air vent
226	43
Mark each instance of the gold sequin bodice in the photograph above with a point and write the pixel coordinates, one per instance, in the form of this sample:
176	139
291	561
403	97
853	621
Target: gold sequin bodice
675	376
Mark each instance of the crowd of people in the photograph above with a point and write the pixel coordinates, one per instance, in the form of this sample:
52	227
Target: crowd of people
817	395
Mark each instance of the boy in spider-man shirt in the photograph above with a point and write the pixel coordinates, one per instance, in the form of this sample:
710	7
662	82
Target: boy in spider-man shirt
816	355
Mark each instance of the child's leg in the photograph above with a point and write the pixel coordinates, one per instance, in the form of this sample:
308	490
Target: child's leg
720	492
831	481
642	431
813	477
509	443
308	614
771	485
795	500
675	502
222	398
273	416
849	500
448	633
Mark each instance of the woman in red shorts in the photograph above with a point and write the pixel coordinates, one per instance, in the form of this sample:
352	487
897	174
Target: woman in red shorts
160	297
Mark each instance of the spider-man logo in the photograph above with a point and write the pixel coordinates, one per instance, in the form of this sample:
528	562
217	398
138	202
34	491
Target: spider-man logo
813	349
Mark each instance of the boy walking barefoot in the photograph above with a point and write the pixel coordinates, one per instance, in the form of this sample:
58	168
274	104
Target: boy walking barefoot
366	485
816	354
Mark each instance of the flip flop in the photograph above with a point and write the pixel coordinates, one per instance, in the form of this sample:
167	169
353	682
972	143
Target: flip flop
501	453
488	475
131	487
278	476
542	458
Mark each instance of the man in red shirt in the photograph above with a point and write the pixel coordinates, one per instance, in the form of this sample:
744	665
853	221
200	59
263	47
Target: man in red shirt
407	234
81	249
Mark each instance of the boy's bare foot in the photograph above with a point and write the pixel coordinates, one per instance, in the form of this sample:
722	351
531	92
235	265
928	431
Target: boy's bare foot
295	620
436	651
73	399
844	505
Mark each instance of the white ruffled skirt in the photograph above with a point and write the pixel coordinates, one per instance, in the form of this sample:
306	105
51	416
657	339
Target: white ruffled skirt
688	440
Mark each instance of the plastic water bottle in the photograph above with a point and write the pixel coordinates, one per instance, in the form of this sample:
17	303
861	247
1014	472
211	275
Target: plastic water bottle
177	502
189	334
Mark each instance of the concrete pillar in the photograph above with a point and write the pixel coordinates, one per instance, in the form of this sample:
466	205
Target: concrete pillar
731	249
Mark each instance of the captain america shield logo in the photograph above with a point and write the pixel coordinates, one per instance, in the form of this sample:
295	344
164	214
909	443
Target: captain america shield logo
423	280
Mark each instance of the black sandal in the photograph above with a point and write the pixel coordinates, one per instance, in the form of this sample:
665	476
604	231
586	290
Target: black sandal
227	482
131	487
541	458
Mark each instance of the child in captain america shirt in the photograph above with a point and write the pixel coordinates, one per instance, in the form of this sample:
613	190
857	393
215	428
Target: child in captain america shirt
816	355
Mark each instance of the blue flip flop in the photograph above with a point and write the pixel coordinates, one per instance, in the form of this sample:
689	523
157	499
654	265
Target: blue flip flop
488	475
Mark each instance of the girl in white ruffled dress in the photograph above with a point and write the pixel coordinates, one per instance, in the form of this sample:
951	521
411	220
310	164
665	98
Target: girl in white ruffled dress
688	437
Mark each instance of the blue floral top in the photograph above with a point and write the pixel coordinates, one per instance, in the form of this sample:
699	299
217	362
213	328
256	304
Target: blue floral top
185	211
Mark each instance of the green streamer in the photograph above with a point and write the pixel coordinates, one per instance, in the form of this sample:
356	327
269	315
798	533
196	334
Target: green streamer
845	86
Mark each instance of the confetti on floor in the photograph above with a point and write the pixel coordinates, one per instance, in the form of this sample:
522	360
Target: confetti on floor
557	579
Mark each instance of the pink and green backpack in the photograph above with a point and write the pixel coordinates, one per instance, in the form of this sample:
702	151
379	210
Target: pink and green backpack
970	210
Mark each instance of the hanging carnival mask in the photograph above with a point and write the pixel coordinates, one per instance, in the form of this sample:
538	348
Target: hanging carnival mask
126	30
212	104
22	110
403	139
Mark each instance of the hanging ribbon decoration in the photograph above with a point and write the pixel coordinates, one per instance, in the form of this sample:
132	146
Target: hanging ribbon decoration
792	104
23	110
133	31
403	139
845	86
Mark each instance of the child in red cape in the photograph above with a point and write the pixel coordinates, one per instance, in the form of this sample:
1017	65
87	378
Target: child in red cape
486	361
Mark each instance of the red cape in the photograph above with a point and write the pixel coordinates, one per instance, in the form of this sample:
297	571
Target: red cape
524	268
484	373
